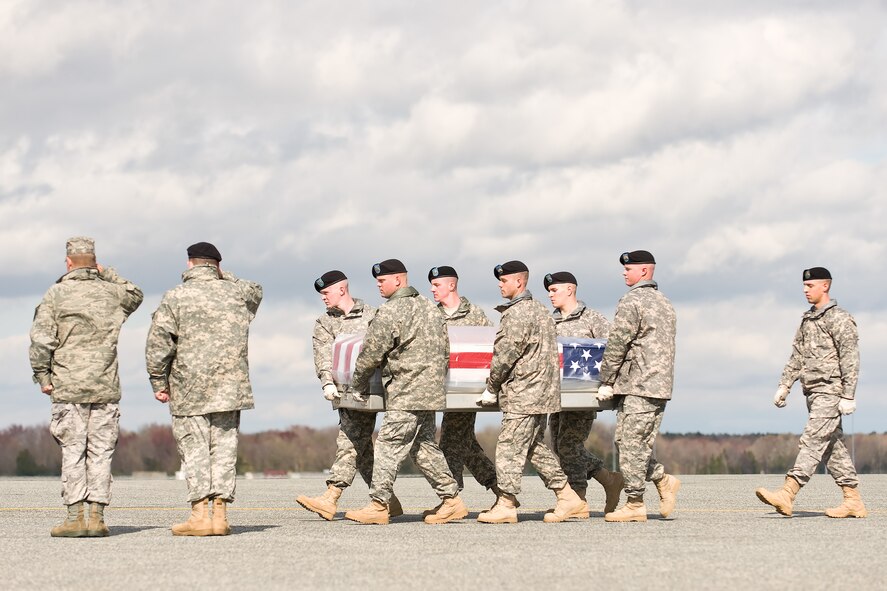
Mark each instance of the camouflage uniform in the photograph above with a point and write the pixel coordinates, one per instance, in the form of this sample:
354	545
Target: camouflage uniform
639	363
825	357
354	443
457	439
197	351
525	373
74	349
407	338
570	429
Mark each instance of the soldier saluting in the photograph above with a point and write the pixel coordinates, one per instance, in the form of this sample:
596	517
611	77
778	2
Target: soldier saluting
74	357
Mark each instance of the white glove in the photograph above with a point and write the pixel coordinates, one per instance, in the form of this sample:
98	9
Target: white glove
846	407
330	392
487	399
605	393
781	395
358	396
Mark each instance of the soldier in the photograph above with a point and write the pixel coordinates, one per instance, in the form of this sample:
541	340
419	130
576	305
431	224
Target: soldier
354	444
638	365
825	357
409	340
196	356
74	357
525	375
570	429
457	439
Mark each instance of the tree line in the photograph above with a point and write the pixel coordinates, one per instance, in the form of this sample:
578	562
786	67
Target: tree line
31	451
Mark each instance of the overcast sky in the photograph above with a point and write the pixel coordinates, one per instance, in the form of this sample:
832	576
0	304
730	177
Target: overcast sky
739	141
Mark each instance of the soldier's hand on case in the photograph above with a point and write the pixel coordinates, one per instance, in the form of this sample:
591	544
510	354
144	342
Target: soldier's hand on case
781	395
605	393
487	399
162	396
846	407
330	392
358	396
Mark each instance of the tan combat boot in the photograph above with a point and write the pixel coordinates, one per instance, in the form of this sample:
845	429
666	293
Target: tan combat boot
428	512
451	509
851	507
325	505
220	517
668	487
569	505
782	499
375	513
198	524
74	525
632	510
612	483
504	511
395	509
95	527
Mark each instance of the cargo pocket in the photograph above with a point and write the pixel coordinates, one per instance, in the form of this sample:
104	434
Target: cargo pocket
60	424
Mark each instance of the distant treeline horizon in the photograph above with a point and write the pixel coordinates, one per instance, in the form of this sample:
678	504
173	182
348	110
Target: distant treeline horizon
31	451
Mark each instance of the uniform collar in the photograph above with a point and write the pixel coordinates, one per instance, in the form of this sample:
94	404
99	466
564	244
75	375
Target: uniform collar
813	312
644	283
404	292
559	317
524	295
201	273
81	274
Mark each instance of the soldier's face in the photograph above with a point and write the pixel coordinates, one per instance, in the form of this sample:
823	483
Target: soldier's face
331	295
816	290
509	285
387	285
559	294
633	274
441	288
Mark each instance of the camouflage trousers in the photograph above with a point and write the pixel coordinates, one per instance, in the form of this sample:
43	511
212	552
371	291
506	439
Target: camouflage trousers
569	431
208	448
354	448
409	433
87	434
820	441
461	449
637	425
522	438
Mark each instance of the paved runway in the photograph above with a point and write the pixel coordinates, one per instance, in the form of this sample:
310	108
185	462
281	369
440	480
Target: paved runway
720	536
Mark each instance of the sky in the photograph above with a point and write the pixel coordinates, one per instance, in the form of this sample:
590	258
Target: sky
739	141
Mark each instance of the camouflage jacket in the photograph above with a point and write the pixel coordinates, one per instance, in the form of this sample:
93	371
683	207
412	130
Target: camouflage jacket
582	322
825	353
408	339
330	325
639	358
467	314
525	371
75	331
197	344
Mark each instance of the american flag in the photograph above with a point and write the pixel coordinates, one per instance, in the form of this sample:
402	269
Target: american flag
471	352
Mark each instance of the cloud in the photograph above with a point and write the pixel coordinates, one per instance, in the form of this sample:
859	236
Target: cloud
740	143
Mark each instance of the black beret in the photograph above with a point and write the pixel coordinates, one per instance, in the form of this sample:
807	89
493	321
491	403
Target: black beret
442	271
388	267
509	268
637	257
559	277
816	273
329	278
204	250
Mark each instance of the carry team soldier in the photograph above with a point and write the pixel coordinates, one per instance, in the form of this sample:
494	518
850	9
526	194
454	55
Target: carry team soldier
570	429
409	340
73	354
354	443
525	377
457	438
638	366
825	358
196	356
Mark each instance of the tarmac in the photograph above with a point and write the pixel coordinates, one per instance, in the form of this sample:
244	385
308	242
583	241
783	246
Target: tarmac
719	537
